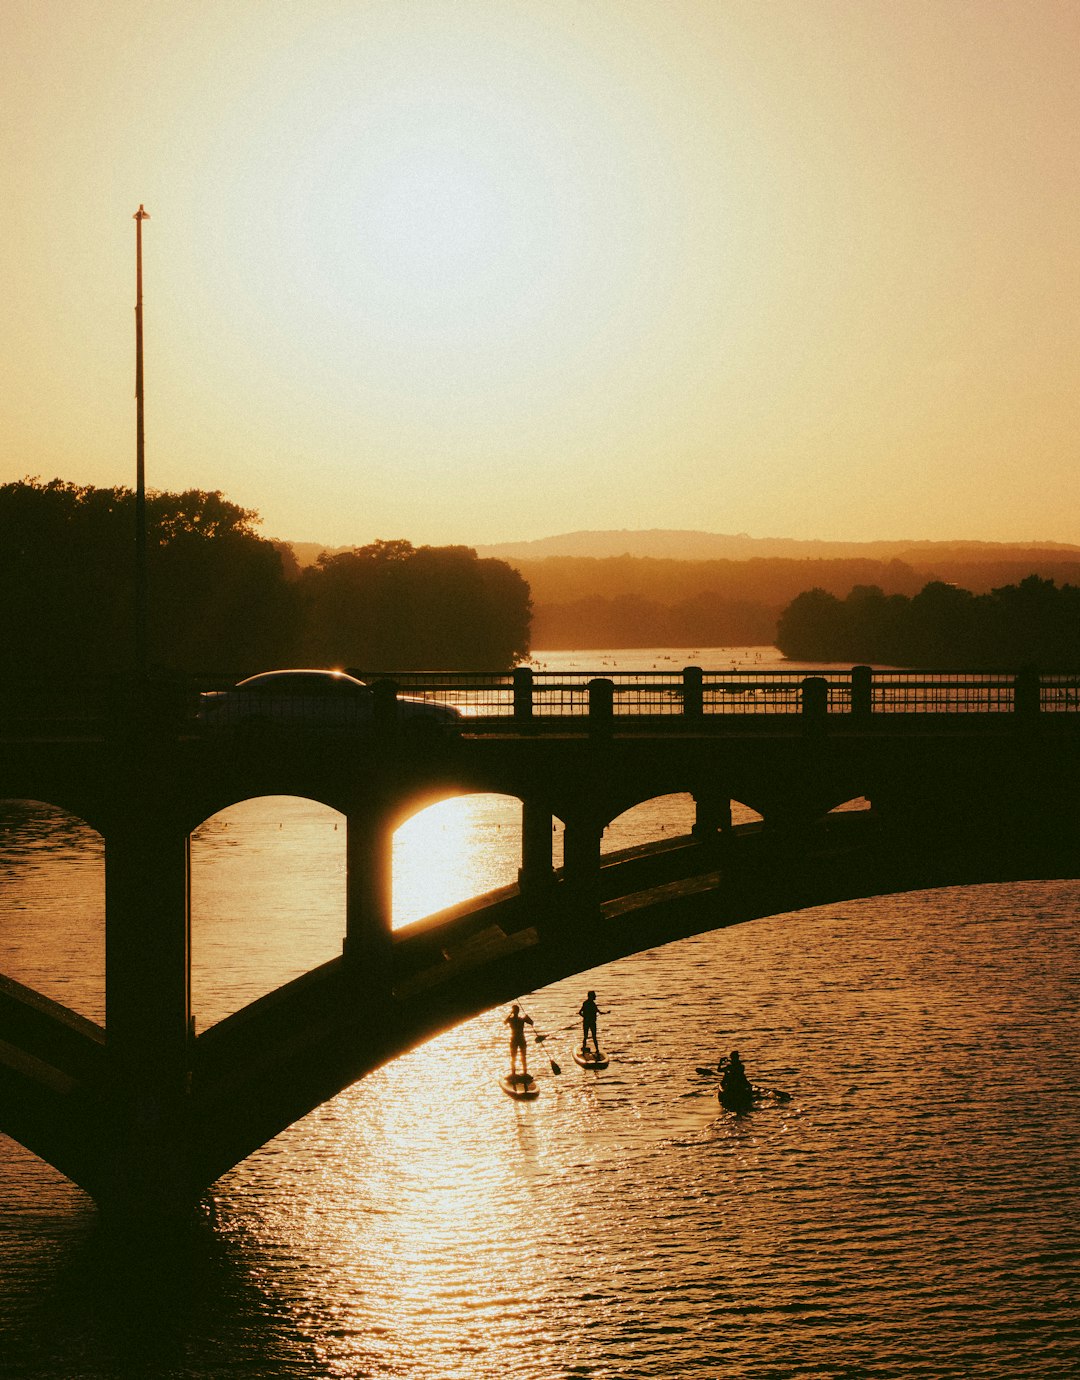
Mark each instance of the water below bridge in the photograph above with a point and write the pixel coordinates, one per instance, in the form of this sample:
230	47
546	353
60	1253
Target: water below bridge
912	1210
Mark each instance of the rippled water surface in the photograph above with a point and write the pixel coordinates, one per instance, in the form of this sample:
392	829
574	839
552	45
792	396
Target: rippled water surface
912	1210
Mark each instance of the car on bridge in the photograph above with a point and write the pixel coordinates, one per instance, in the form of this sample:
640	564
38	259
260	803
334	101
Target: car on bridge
314	701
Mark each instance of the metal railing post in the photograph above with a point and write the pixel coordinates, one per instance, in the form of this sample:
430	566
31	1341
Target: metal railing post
815	703
862	692
693	692
1027	692
601	705
523	695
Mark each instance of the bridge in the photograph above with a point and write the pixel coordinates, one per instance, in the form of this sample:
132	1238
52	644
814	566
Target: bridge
967	778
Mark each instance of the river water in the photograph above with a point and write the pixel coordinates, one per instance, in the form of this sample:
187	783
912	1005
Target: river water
912	1210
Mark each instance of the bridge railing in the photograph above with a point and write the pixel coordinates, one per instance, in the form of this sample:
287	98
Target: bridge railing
943	692
530	700
527	695
537	697
1059	693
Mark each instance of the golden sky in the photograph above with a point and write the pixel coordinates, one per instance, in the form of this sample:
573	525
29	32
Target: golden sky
484	270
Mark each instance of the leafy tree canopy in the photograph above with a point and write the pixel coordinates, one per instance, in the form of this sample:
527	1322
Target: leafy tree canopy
218	596
391	605
222	599
1033	622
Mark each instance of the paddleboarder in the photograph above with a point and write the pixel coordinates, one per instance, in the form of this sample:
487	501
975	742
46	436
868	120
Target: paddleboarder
588	1013
517	1021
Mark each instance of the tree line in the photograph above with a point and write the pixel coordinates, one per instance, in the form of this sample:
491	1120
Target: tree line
223	599
1035	622
644	601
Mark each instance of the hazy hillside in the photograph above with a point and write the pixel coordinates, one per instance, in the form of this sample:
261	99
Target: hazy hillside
616	589
704	546
661	544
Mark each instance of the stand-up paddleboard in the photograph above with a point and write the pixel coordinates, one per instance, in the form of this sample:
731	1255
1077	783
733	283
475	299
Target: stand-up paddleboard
519	1085
590	1059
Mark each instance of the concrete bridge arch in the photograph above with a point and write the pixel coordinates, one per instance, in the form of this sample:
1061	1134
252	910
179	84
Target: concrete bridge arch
153	1115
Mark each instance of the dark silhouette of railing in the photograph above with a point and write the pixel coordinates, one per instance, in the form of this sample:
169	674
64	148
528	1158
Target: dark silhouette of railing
535	701
697	696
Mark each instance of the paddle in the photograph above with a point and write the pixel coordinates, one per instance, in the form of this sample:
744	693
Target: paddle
540	1040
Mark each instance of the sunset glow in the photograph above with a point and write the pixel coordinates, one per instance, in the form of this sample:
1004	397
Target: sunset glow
480	272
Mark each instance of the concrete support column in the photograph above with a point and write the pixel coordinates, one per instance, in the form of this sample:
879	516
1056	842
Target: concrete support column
143	1165
535	876
581	866
368	897
712	817
148	951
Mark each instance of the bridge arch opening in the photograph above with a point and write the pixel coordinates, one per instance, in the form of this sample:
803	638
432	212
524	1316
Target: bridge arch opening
52	923
453	850
663	817
650	821
267	899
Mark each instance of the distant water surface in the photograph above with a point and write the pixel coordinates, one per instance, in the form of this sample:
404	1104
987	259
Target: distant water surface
912	1210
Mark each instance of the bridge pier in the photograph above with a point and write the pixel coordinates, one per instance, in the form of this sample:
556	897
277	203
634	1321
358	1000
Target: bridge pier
368	945
148	947
141	1153
535	875
581	869
712	817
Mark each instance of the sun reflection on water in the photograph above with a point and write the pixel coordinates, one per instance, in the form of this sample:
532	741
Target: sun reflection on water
454	850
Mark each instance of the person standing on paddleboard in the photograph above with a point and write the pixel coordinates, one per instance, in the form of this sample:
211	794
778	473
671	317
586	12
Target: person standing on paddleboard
517	1022
588	1013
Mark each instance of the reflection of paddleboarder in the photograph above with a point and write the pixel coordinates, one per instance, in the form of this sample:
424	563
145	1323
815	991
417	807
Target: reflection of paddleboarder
517	1023
588	1013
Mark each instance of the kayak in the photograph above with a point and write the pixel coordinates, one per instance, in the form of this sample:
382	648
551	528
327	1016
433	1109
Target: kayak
736	1099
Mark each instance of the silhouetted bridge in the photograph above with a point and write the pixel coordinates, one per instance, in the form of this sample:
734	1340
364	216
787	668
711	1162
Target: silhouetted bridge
968	778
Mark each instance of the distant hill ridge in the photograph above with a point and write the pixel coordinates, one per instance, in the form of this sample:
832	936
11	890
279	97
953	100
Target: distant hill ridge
664	544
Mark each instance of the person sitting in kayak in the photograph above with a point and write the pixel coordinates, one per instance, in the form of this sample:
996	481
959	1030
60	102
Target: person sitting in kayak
733	1081
588	1013
517	1022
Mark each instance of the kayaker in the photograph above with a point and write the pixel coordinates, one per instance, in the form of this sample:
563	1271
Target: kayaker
733	1080
517	1022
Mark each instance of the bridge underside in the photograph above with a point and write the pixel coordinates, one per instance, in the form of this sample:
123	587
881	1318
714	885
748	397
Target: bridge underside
156	1146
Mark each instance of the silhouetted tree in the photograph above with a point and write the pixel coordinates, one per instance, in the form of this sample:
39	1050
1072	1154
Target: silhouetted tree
1031	623
940	627
218	595
393	606
813	627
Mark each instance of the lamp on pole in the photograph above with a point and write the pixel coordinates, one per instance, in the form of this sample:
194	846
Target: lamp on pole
141	657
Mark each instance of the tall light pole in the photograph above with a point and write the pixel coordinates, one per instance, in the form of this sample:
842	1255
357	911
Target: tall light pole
141	600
